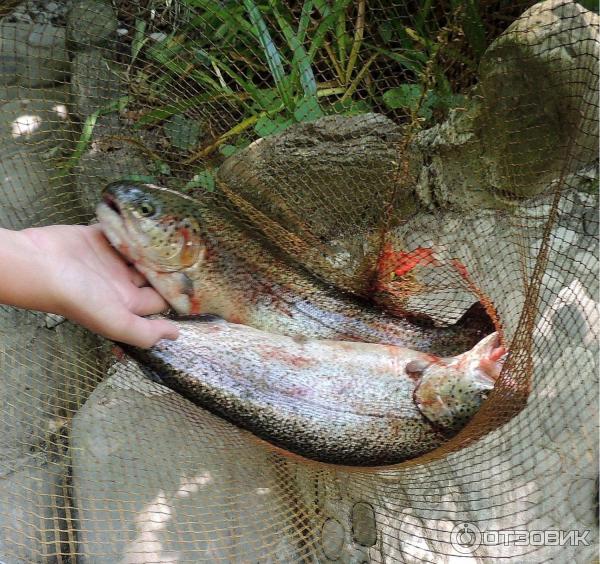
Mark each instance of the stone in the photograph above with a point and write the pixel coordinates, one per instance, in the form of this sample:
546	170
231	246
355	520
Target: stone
91	23
183	132
158	36
95	84
364	526
156	478
555	44
37	125
590	222
30	522
511	140
59	92
41	376
31	196
332	539
32	55
98	167
346	164
348	167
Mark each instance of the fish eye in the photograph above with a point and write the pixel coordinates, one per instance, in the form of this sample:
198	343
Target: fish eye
146	208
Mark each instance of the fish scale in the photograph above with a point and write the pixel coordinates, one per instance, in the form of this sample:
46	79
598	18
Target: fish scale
294	361
238	278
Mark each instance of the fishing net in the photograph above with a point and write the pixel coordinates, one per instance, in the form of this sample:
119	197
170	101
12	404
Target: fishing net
426	156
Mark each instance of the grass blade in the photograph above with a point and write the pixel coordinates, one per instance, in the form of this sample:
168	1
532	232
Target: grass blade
359	30
300	62
307	9
87	130
420	21
138	39
410	59
164	112
473	27
271	53
323	8
325	25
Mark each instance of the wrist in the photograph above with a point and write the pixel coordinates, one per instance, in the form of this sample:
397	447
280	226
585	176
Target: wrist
40	273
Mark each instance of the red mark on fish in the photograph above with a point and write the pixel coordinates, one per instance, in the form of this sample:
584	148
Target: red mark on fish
401	263
195	304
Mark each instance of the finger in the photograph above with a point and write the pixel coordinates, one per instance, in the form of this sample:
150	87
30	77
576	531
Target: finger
112	260
146	301
136	277
141	332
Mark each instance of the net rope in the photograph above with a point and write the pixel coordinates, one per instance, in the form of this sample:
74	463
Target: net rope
349	136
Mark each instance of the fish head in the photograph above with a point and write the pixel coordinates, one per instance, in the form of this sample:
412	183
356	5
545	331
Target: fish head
160	232
451	390
151	226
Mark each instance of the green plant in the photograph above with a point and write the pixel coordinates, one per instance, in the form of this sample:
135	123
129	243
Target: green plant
267	64
264	37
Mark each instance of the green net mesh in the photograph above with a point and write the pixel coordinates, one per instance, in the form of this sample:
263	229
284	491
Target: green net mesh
337	132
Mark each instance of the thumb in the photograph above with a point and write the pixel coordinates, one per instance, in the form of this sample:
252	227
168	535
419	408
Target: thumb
142	332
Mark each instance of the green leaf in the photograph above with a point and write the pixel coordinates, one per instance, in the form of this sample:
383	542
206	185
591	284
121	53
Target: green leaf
326	24
404	96
270	126
307	9
473	27
159	114
202	57
300	60
423	17
266	99
323	7
386	31
138	40
270	51
351	107
409	58
228	150
162	168
245	84
308	109
203	179
591	5
165	51
140	178
425	112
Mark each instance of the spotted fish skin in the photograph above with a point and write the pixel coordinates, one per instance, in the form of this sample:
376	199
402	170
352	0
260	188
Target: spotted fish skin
202	262
339	402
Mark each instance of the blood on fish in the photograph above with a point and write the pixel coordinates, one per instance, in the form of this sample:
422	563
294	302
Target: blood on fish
298	391
407	261
401	263
188	252
274	353
195	305
119	353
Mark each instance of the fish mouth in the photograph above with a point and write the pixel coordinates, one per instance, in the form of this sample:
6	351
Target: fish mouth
111	203
114	225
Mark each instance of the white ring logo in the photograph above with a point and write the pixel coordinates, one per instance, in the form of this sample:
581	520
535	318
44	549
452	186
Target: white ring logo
465	538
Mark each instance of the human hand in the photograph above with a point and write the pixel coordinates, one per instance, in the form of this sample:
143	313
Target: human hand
85	280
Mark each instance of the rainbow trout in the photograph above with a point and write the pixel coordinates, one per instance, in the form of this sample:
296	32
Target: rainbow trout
333	401
204	263
293	373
